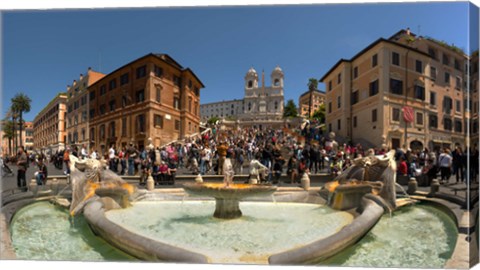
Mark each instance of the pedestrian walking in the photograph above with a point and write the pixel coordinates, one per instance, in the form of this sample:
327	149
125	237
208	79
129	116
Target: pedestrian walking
22	161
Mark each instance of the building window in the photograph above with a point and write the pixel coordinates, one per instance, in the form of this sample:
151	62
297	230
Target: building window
330	86
141	71
124	101
354	121
177	124
92	95
330	127
124	79
458	126
458	106
250	84
196	91
395	59
374	60
419	118
419	92
445	60
112	84
249	106
124	127
447	78
339	124
433	99
355	97
111	130
195	108
396	114
177	81
103	90
158	94
329	107
458	83
374	115
433	121
447	123
432	53
158	71
102	109
374	88
92	113
339	101
190	104
276	82
447	104
355	72
140	123
418	66
433	73
339	78
457	64
102	132
176	103
140	96
92	134
158	121
112	105
396	87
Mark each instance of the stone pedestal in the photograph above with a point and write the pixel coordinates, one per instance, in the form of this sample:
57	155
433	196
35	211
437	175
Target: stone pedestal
412	186
33	187
305	181
434	187
55	186
227	208
150	183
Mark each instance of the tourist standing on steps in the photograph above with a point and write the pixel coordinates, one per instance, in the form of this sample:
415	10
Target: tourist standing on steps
22	169
445	163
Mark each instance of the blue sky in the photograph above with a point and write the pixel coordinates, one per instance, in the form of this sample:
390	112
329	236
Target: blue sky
44	50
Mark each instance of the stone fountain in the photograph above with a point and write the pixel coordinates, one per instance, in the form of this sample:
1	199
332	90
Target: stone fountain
227	194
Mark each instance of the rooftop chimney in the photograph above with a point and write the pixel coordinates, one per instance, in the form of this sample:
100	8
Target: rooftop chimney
408	31
74	82
68	87
81	76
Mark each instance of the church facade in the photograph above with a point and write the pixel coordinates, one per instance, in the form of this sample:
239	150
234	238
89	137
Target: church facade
261	103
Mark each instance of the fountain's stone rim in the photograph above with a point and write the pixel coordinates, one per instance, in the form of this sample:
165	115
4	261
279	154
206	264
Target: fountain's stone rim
236	191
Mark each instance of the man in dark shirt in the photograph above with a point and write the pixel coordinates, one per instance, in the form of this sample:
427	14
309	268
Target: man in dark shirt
22	168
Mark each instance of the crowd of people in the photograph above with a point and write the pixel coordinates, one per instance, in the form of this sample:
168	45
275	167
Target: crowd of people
265	153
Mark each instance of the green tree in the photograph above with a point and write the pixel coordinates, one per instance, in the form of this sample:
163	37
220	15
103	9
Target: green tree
290	109
312	86
8	133
213	120
319	114
20	104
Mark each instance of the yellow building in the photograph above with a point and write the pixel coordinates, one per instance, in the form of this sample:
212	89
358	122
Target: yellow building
49	129
369	96
310	102
77	108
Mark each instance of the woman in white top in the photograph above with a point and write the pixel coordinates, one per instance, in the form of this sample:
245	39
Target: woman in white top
445	163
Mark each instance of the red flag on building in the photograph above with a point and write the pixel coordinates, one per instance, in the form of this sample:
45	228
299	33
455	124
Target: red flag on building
407	114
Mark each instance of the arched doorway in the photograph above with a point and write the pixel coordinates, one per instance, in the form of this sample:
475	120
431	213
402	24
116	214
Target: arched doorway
416	145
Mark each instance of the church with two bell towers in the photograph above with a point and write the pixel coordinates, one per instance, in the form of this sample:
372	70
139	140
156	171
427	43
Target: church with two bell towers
261	103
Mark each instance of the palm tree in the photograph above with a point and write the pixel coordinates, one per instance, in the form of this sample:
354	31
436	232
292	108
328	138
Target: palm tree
312	86
8	133
20	104
12	114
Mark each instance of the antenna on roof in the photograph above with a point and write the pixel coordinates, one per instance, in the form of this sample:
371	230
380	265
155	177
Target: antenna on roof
418	32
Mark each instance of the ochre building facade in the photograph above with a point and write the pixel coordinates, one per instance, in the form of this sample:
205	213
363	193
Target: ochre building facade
151	97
